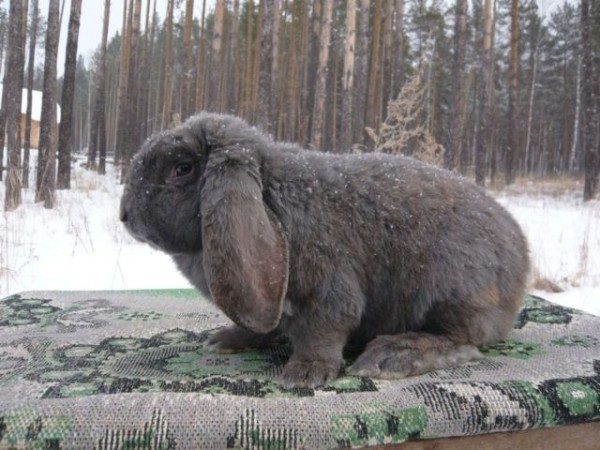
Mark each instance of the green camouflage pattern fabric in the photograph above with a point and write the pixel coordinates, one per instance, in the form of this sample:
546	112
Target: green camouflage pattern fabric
129	370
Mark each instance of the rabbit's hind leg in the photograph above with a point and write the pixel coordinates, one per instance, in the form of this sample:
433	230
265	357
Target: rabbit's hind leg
449	337
408	354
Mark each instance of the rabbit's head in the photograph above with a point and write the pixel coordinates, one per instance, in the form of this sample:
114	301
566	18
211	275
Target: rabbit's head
198	188
160	204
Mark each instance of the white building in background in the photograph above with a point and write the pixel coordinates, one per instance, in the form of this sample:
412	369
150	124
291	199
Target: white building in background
36	115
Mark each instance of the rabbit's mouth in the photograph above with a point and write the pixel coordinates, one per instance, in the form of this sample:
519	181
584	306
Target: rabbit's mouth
135	234
145	234
141	233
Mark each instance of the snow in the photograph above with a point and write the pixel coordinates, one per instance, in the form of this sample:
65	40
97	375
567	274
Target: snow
36	105
564	240
81	245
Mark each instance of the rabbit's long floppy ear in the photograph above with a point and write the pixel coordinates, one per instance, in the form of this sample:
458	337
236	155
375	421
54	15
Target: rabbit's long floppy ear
245	253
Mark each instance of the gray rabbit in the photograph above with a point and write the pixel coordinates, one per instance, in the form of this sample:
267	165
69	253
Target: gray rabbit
410	264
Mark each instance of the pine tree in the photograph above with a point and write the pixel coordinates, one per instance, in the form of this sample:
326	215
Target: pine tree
398	54
35	18
373	115
513	120
168	66
143	81
121	126
302	119
590	19
130	131
534	52
320	93
186	85
348	77
486	81
265	80
454	151
215	91
275	88
361	77
46	176
98	118
16	61
65	138
234	59
3	101
152	85
201	60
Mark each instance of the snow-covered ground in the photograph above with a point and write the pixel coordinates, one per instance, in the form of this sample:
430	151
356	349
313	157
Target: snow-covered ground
564	240
81	244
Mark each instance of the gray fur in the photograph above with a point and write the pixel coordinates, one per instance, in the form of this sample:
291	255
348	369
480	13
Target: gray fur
330	250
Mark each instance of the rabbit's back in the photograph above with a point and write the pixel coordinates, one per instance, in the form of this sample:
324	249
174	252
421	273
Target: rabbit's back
412	234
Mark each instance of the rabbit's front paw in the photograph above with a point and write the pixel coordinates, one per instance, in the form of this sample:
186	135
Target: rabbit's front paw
309	373
235	339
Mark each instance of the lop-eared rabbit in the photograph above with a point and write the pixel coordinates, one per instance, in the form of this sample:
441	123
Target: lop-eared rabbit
409	263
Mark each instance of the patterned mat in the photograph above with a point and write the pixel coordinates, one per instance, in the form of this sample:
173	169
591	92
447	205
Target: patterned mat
129	370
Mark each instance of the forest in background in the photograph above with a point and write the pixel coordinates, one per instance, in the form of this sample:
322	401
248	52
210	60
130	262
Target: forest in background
493	89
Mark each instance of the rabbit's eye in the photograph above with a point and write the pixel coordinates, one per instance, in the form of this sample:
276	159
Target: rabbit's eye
182	169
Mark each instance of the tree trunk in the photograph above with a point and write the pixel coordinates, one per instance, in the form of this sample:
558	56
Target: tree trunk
16	61
62	13
143	80
188	55
454	151
201	59
372	116
255	74
295	67
348	77
235	59
2	40
486	82
215	90
386	72
332	142
527	165
245	90
68	91
35	17
312	33
513	92
3	112
493	103
46	176
590	103
22	66
362	65
168	85
320	89
153	85
301	112
398	54
267	18
131	127
275	87
123	78
98	118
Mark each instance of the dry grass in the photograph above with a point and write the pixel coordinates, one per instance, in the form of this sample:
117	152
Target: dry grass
543	284
553	186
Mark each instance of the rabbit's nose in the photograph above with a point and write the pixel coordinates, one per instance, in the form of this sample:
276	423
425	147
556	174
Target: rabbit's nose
123	215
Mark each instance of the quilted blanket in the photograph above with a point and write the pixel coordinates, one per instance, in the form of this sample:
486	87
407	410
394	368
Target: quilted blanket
129	370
